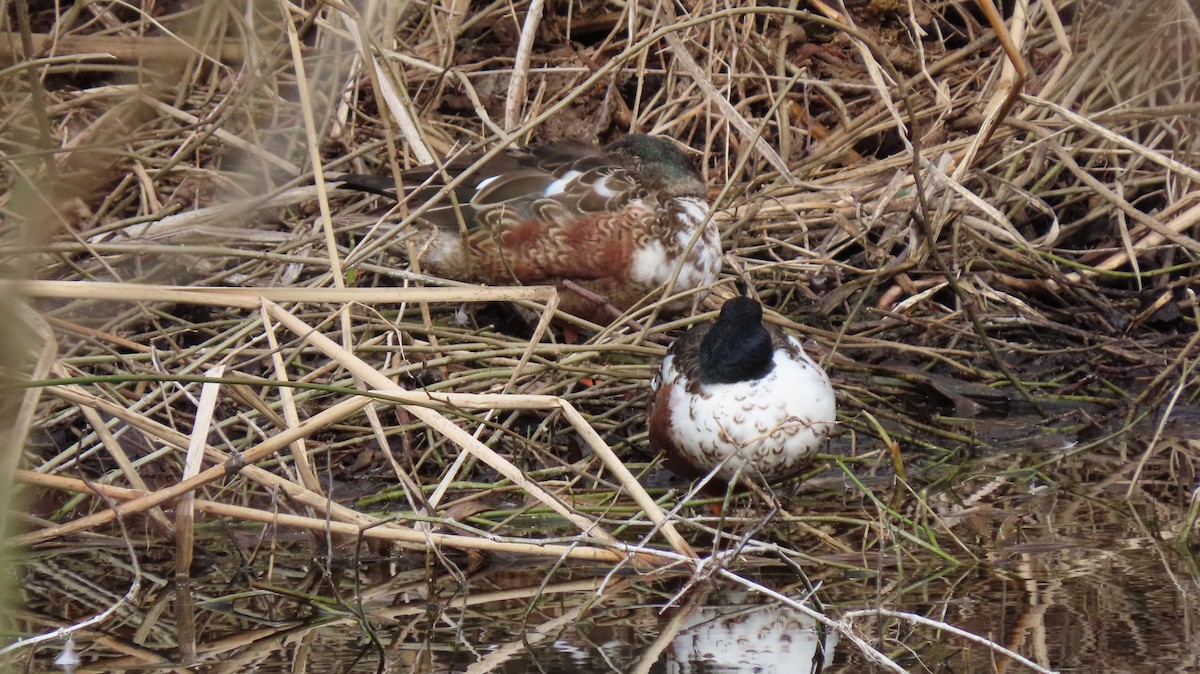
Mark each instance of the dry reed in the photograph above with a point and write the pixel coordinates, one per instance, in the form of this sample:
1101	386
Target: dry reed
970	217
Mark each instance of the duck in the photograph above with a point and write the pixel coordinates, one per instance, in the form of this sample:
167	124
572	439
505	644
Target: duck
608	225
738	395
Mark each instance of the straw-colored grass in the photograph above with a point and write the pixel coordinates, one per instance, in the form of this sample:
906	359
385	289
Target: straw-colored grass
996	220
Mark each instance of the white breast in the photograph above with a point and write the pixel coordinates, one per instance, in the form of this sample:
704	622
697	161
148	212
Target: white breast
773	424
654	264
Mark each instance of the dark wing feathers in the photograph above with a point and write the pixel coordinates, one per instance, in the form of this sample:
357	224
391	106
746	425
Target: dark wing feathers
552	157
513	185
384	186
516	180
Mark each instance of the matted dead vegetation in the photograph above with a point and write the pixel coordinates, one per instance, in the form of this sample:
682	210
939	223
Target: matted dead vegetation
992	257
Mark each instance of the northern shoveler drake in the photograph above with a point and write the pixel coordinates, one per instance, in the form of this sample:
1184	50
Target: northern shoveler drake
614	220
737	393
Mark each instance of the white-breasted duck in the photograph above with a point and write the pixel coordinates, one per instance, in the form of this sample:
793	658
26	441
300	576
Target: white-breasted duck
738	393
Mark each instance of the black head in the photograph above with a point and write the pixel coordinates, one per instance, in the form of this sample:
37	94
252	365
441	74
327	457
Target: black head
660	164
737	347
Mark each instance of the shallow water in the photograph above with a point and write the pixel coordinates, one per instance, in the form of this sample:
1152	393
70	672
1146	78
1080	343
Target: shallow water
1066	566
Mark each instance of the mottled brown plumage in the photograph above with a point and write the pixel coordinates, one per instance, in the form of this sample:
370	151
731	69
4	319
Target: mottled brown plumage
615	220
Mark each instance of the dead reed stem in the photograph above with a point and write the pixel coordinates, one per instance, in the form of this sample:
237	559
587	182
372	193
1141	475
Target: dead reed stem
984	224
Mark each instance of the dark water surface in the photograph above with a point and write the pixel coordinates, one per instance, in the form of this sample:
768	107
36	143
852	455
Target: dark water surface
1065	564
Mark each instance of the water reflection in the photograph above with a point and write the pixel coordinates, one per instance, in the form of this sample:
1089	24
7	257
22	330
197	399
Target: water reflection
730	631
1112	597
1075	576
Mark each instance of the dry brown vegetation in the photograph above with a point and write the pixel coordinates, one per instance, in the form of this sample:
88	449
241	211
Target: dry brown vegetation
992	257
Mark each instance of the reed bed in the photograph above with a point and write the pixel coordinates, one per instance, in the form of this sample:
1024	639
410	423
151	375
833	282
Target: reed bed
983	225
